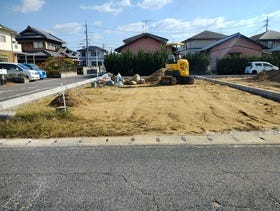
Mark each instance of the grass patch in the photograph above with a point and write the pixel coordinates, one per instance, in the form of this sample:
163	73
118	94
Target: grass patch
44	122
47	122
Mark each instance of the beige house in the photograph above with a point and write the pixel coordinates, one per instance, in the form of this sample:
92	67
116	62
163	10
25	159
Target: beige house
195	43
9	48
270	39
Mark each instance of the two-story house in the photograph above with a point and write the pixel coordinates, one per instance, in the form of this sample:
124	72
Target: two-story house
39	45
197	42
9	48
145	41
92	57
270	39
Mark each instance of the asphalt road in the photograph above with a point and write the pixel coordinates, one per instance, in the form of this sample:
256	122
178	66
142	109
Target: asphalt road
141	178
8	92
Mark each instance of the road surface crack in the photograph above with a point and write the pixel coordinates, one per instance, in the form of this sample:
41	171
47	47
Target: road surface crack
244	176
142	191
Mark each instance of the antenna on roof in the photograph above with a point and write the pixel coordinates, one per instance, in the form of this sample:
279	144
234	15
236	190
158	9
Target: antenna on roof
145	25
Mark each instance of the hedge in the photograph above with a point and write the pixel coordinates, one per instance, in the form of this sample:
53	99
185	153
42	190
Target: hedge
145	64
235	65
141	63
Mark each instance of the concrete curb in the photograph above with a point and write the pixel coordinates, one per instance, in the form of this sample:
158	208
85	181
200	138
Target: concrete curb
273	95
233	138
25	99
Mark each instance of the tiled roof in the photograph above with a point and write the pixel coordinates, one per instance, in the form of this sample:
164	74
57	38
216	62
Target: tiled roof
132	39
139	36
92	48
39	34
207	35
269	35
67	52
237	35
7	29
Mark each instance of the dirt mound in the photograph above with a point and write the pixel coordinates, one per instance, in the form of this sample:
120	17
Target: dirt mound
273	75
72	99
156	76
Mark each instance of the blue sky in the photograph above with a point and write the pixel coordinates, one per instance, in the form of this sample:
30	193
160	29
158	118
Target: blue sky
111	21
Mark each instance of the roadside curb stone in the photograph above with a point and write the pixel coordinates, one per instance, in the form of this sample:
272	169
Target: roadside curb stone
233	138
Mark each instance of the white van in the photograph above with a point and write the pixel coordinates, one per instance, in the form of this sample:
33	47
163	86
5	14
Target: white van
257	67
17	69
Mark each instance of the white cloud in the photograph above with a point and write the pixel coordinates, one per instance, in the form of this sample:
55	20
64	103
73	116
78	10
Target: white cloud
68	28
170	25
179	30
275	14
112	7
208	22
153	4
29	6
97	23
133	27
124	3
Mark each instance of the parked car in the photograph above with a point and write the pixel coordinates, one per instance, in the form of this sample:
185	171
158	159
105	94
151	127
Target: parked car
17	70
41	72
257	67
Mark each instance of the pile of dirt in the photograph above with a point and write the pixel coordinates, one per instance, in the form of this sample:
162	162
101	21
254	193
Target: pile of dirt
156	76
273	76
72	99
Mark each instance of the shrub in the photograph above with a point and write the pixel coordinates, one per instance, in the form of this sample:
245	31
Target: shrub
198	64
56	65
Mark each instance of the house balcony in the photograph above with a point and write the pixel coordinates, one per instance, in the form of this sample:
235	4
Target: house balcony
16	48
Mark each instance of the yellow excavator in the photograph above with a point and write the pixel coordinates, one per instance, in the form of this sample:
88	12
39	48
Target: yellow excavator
176	69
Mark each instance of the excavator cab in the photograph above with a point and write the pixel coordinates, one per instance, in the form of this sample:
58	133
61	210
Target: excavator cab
176	68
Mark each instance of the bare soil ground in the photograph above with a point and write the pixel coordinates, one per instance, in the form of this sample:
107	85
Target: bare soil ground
196	108
150	109
264	80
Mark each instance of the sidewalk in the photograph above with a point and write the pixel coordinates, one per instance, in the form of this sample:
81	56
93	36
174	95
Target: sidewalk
233	138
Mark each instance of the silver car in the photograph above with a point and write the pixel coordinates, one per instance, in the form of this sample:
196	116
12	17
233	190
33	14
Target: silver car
16	70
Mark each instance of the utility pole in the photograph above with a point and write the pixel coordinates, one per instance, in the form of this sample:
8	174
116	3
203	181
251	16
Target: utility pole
87	52
266	24
145	25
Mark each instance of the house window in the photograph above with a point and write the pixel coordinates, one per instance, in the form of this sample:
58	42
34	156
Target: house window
83	53
270	44
37	44
4	59
93	53
2	38
235	54
51	46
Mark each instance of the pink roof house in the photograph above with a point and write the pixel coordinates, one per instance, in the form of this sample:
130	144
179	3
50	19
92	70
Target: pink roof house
145	41
236	44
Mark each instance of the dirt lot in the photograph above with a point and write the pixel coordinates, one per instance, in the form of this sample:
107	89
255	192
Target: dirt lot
177	109
153	109
265	80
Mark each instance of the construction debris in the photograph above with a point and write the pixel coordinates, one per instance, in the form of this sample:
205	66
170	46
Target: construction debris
136	79
156	76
